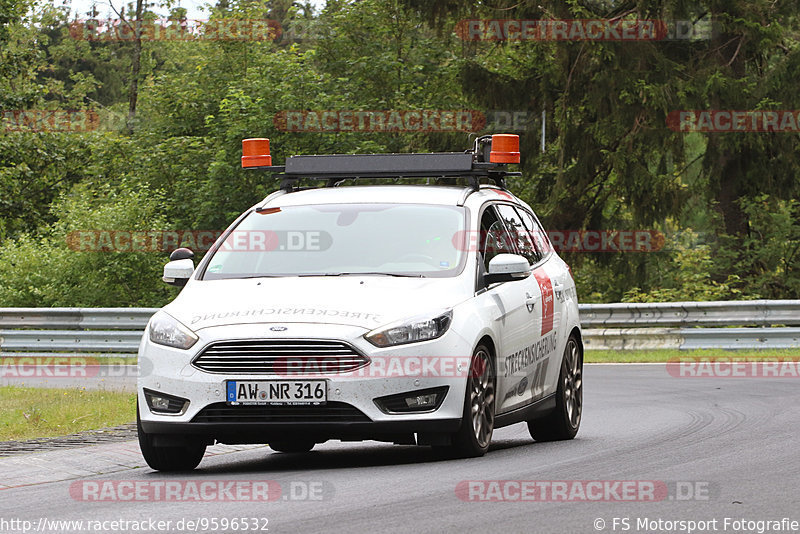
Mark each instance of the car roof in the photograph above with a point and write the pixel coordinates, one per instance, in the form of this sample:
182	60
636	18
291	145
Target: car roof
390	194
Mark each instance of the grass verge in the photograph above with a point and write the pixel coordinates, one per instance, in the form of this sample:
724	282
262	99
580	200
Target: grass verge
664	355
27	413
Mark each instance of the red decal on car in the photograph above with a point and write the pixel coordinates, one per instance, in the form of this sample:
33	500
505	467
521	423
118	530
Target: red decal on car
548	300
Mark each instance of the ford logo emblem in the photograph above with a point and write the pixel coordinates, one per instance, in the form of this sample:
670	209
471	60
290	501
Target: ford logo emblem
278	328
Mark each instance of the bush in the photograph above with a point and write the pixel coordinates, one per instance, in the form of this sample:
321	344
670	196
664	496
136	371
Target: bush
43	270
688	275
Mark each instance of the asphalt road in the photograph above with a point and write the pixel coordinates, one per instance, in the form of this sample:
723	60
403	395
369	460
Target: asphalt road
732	441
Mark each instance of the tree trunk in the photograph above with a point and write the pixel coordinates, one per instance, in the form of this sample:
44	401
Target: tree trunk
133	92
727	158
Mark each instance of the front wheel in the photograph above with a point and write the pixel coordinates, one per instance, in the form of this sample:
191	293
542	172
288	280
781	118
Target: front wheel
563	422
477	424
168	458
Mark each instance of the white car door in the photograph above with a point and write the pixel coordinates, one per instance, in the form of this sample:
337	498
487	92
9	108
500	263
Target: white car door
551	277
532	369
508	305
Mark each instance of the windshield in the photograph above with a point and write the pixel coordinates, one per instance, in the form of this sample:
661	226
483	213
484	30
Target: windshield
343	239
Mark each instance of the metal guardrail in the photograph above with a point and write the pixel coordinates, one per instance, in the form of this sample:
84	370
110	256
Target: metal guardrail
90	341
678	325
692	338
684	314
76	318
43	332
647	325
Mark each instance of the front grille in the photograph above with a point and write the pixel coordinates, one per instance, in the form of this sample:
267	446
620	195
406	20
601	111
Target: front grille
280	356
332	412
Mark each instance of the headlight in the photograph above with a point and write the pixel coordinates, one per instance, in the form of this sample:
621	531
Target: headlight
411	330
166	330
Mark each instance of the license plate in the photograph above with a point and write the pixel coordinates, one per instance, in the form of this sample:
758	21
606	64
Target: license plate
241	392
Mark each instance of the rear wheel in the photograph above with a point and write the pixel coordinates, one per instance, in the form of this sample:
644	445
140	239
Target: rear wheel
291	445
477	424
168	458
563	422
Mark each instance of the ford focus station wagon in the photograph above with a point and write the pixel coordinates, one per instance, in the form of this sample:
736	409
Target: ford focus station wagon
429	311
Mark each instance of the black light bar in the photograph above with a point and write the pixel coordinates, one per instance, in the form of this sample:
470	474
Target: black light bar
359	164
336	168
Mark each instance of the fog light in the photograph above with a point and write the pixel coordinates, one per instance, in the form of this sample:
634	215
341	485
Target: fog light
161	403
421	401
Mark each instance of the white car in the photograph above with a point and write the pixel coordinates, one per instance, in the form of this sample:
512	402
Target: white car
416	314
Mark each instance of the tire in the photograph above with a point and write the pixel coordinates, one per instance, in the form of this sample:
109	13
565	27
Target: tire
291	445
563	422
477	423
172	458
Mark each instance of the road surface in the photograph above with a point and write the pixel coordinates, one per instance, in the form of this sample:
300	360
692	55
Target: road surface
720	448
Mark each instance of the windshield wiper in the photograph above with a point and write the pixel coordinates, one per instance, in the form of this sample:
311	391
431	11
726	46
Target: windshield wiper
401	275
242	277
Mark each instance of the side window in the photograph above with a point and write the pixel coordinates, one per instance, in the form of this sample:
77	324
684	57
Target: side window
494	238
538	235
519	234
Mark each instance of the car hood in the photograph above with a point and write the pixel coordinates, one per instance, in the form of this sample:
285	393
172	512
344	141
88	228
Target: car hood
363	301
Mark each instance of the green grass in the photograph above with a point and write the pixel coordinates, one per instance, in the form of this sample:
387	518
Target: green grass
663	355
27	413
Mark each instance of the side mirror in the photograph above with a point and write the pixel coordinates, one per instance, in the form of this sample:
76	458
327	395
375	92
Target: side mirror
507	268
181	254
178	272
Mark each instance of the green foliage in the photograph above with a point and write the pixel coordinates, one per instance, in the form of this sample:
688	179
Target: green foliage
686	274
34	169
47	270
770	252
728	202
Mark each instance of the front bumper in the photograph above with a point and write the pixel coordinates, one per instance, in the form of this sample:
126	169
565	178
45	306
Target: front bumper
237	433
351	411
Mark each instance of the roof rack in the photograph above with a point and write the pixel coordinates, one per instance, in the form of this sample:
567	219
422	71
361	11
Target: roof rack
481	162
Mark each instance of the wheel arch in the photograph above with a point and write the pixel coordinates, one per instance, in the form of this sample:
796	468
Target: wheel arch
487	340
577	331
